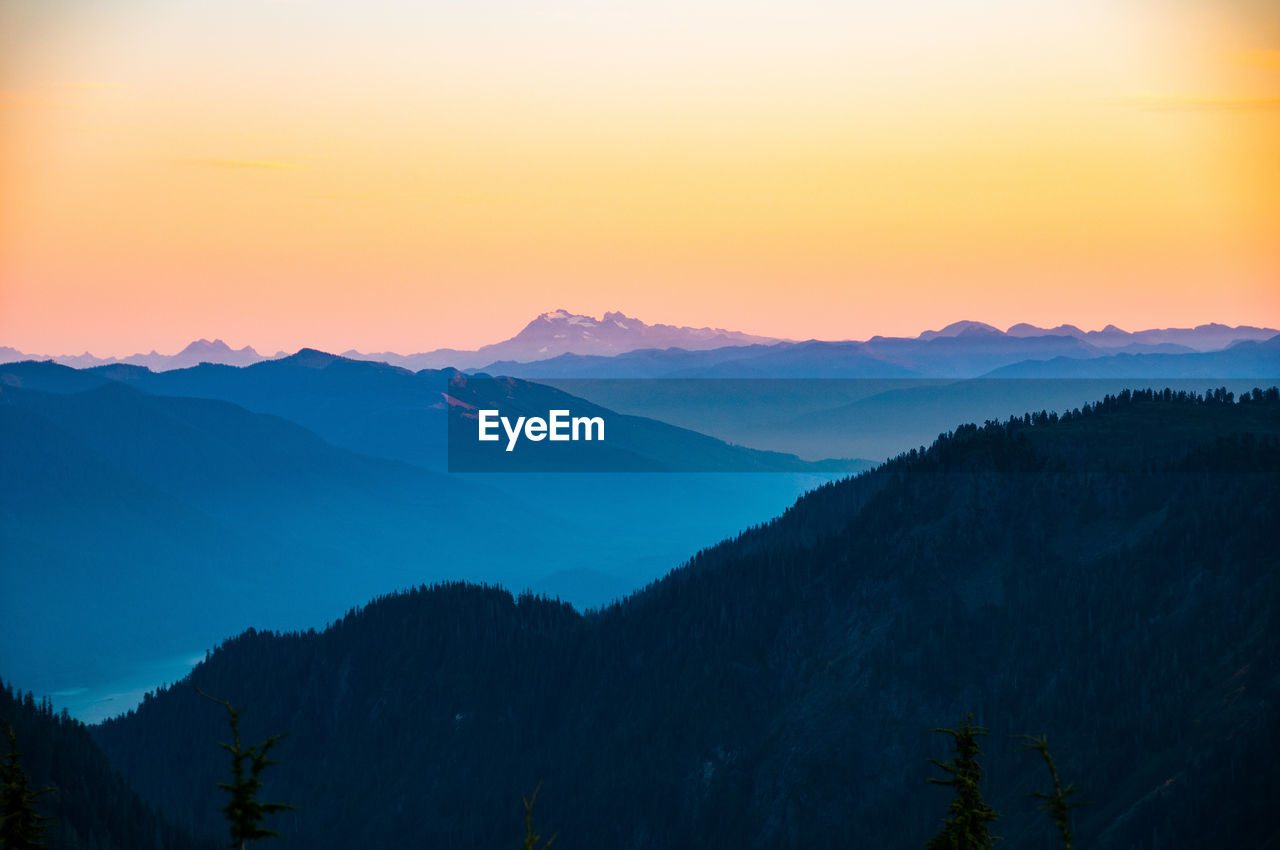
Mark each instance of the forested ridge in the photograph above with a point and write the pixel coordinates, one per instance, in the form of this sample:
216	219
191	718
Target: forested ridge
1107	578
86	803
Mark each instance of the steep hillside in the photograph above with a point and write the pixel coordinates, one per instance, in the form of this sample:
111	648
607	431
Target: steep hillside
88	804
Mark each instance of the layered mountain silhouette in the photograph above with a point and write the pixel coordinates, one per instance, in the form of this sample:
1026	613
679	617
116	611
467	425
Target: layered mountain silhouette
1208	337
197	352
1243	359
143	527
1107	578
561	332
961	350
876	418
388	411
147	514
548	335
555	343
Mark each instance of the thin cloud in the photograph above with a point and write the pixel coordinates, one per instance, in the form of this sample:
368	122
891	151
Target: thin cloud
353	196
270	165
1185	103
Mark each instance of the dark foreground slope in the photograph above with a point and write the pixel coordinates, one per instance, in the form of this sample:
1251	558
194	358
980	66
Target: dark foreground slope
1109	579
88	804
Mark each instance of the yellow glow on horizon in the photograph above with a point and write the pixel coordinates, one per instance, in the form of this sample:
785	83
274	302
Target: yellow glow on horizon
288	174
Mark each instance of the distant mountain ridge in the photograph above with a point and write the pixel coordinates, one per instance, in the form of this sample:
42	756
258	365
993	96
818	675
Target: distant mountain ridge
391	412
561	334
196	352
1210	337
1243	358
968	352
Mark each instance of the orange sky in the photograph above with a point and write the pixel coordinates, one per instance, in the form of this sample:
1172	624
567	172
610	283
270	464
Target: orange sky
390	176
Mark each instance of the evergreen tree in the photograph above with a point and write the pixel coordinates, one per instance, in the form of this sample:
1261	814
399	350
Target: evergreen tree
967	826
244	812
1055	802
21	828
532	838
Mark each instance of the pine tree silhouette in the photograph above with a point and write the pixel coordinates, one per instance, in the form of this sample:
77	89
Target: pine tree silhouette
532	838
21	827
968	825
1055	802
244	812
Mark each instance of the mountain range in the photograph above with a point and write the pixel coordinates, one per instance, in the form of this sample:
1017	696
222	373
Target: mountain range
1107	578
962	350
550	334
388	411
555	343
561	332
149	513
1210	337
1104	576
197	352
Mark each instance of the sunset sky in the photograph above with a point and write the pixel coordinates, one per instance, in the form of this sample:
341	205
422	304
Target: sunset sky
395	175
